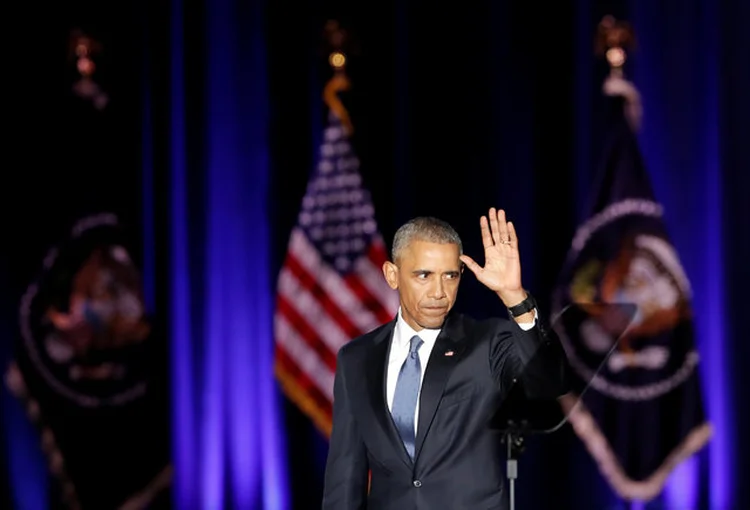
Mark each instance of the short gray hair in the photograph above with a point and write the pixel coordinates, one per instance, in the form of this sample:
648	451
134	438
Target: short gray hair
426	229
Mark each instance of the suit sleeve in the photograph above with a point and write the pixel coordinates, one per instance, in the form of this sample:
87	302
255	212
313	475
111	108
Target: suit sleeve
346	467
534	357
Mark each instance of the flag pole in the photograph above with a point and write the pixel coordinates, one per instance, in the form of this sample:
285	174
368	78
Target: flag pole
339	82
614	39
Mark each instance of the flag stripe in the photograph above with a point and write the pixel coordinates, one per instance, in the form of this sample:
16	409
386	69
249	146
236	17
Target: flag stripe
330	282
357	286
304	333
388	297
307	281
381	299
305	395
320	399
304	303
306	359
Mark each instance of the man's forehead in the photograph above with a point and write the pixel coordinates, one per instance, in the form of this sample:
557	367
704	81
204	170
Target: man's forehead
419	246
435	256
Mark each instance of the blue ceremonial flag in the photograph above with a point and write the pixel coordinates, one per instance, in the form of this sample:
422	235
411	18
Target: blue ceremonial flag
642	412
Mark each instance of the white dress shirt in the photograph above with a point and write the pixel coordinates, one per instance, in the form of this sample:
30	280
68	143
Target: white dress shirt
400	343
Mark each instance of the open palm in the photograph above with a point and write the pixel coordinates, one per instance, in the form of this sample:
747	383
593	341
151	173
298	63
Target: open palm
502	264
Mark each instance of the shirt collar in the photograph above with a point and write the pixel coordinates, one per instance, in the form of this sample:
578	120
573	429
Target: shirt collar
406	332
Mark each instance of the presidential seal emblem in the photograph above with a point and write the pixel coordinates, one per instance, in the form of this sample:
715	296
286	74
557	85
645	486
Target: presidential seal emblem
631	302
83	321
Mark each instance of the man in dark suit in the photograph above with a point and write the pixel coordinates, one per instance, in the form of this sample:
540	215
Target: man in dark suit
414	398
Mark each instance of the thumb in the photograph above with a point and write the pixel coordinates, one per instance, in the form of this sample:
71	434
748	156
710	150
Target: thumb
473	266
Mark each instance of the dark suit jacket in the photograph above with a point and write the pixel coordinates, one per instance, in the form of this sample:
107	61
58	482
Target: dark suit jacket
458	457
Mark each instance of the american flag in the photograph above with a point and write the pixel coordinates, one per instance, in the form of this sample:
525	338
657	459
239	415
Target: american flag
330	288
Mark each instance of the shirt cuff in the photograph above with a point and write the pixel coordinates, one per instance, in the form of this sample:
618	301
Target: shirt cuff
528	325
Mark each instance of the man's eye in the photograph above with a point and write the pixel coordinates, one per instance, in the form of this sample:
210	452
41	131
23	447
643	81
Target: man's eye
422	276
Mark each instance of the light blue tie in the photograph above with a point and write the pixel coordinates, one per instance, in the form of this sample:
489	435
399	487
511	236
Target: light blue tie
405	398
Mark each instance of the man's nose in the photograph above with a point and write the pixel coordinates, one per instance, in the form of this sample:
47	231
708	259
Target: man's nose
437	289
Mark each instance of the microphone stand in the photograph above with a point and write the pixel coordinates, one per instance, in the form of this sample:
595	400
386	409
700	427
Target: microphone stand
514	443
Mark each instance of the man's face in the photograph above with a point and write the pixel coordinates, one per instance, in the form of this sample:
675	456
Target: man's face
426	277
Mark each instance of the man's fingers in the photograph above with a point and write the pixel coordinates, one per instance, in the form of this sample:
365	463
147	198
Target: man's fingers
473	266
502	226
494	226
486	236
512	234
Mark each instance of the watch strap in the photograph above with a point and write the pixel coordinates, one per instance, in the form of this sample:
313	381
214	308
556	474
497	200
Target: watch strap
523	307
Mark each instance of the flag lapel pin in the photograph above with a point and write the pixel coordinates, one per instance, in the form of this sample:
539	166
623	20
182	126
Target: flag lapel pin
449	353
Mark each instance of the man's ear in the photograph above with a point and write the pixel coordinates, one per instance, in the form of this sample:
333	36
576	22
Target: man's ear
390	272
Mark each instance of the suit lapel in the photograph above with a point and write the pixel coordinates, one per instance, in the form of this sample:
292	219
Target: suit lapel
439	369
377	367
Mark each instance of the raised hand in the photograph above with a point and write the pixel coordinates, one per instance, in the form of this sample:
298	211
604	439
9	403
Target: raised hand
502	264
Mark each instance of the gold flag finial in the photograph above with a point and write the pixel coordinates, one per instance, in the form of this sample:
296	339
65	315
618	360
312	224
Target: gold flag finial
339	82
84	49
614	39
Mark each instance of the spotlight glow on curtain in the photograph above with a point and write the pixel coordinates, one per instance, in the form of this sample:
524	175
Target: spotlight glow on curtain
27	470
678	78
227	444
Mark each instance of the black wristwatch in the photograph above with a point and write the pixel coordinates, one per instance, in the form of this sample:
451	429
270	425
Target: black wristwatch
524	306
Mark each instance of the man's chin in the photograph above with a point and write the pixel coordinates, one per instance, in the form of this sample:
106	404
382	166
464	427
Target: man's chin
432	322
